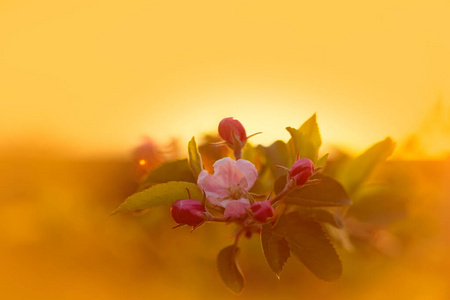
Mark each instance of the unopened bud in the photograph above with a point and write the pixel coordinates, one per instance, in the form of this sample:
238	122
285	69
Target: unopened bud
301	171
188	211
262	210
232	131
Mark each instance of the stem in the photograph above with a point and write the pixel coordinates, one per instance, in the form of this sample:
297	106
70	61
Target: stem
286	191
217	219
238	235
237	151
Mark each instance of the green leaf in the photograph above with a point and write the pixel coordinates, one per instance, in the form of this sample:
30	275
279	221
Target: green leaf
322	162
164	194
276	154
229	269
264	182
275	248
361	167
306	140
195	161
328	192
250	153
310	244
178	170
379	205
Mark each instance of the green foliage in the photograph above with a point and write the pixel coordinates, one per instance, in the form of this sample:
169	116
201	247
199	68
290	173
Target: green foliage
178	170
195	161
358	170
229	269
164	194
328	192
264	183
322	161
275	248
310	244
268	157
379	205
297	227
306	140
276	154
250	153
265	180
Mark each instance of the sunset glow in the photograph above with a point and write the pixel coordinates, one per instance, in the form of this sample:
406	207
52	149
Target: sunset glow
92	77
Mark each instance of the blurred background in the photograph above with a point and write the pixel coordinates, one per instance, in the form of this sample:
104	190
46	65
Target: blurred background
82	82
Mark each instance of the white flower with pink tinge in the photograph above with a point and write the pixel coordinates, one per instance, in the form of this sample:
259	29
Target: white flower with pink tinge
229	185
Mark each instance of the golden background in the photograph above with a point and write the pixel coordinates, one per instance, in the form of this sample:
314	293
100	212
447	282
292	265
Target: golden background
91	77
82	81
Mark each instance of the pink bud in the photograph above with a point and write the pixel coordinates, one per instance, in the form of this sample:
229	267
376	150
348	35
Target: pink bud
188	211
262	210
302	170
230	129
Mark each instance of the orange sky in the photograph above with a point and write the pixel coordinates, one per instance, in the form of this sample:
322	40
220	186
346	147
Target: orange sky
94	76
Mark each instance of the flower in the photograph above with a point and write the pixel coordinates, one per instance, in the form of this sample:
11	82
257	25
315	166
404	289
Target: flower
236	209
232	131
262	210
229	185
301	170
188	211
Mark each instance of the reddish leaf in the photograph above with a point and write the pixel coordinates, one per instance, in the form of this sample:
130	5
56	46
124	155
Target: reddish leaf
310	244
329	192
275	248
229	269
321	216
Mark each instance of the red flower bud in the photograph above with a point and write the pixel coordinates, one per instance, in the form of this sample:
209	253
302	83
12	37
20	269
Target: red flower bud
230	129
302	170
188	211
262	210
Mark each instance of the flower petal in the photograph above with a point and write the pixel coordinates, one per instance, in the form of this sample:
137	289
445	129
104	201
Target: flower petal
226	175
227	172
230	179
249	171
236	209
212	186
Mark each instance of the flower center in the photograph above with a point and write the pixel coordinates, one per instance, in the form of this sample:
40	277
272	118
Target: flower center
235	192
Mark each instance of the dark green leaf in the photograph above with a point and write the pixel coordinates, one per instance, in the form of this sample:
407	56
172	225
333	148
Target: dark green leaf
306	140
329	192
229	269
310	244
163	194
275	248
358	170
195	161
178	170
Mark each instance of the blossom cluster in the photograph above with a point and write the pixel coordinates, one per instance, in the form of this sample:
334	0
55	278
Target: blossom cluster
277	192
228	189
